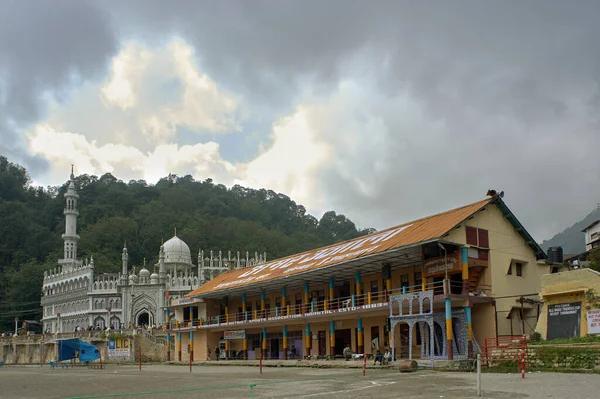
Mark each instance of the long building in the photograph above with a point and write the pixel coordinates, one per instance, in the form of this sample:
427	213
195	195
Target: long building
433	288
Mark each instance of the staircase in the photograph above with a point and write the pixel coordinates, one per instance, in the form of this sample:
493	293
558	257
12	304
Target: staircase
474	277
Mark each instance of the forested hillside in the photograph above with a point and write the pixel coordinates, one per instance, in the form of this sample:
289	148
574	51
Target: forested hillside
207	216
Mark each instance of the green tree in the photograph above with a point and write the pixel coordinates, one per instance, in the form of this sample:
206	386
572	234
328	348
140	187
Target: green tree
594	259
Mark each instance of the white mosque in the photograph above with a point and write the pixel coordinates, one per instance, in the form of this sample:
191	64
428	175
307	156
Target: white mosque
74	296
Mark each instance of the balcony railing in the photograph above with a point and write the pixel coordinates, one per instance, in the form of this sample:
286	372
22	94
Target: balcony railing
308	309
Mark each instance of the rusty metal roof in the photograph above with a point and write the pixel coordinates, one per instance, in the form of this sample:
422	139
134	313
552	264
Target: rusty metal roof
411	233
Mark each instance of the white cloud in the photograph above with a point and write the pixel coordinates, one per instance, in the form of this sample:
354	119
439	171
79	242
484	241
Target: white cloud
162	89
126	162
290	165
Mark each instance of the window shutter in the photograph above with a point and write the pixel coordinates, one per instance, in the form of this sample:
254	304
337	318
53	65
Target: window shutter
471	235
484	241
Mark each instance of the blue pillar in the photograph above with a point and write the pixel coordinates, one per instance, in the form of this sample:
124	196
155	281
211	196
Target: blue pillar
244	308
285	342
284	301
469	332
360	344
448	305
305	307
179	346
308	339
331	290
264	342
332	338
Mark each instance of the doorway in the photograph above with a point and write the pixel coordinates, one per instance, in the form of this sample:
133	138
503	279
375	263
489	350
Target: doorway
342	338
375	345
143	319
274	352
322	343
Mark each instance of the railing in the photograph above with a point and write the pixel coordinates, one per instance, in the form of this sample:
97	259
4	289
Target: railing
348	302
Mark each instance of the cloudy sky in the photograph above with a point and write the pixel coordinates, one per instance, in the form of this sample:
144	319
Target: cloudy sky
382	110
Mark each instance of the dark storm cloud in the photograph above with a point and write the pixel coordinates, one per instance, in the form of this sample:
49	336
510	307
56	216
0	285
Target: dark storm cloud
507	90
45	46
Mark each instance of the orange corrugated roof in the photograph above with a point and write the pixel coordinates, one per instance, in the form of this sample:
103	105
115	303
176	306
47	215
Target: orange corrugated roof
420	230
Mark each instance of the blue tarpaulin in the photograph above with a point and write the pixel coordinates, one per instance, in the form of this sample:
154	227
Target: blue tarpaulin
72	348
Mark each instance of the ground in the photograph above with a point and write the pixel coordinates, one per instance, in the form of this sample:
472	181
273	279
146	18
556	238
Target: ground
164	381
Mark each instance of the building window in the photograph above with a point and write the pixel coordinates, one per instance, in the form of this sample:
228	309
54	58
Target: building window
509	269
477	237
404	280
374	289
519	269
418	279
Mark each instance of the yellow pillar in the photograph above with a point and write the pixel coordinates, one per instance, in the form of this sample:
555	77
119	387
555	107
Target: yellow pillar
226	314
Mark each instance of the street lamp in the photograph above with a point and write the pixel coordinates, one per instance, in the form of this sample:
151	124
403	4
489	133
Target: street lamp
445	258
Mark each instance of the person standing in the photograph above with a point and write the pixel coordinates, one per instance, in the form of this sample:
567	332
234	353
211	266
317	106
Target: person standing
217	352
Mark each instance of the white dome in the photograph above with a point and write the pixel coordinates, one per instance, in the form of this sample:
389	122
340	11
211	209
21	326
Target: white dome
154	278
144	273
177	251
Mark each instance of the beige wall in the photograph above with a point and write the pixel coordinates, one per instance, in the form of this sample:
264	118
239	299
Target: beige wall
506	247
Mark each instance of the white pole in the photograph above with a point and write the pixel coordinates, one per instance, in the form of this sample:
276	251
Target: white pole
478	374
16	325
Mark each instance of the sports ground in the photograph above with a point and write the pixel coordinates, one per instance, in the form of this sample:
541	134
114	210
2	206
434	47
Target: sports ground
164	381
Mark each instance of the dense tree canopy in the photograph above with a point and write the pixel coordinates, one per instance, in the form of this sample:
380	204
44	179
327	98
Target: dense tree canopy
207	216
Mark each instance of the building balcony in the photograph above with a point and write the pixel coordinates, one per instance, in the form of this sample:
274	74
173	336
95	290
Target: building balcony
371	303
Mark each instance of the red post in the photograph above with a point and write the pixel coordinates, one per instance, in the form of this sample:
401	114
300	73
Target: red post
261	358
190	363
523	362
140	357
364	364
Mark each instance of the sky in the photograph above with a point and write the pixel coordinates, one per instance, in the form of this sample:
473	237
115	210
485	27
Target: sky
385	111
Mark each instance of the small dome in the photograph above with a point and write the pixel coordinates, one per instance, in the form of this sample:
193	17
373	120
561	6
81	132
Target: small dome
144	273
154	278
132	278
177	251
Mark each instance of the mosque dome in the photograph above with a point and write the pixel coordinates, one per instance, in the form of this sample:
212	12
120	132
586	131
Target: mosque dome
177	251
154	278
132	279
144	273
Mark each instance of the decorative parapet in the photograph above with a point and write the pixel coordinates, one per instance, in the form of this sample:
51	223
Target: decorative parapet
211	265
404	304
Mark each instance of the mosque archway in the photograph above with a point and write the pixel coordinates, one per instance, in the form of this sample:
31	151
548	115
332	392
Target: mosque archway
143	319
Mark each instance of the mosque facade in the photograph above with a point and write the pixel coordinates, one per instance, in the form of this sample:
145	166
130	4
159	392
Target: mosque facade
73	295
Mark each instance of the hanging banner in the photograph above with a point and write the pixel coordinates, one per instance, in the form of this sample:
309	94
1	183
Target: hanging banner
593	320
239	334
119	348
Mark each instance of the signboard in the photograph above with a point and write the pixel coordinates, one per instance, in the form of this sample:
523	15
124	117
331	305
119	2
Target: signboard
564	320
438	266
593	321
186	301
239	334
119	348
